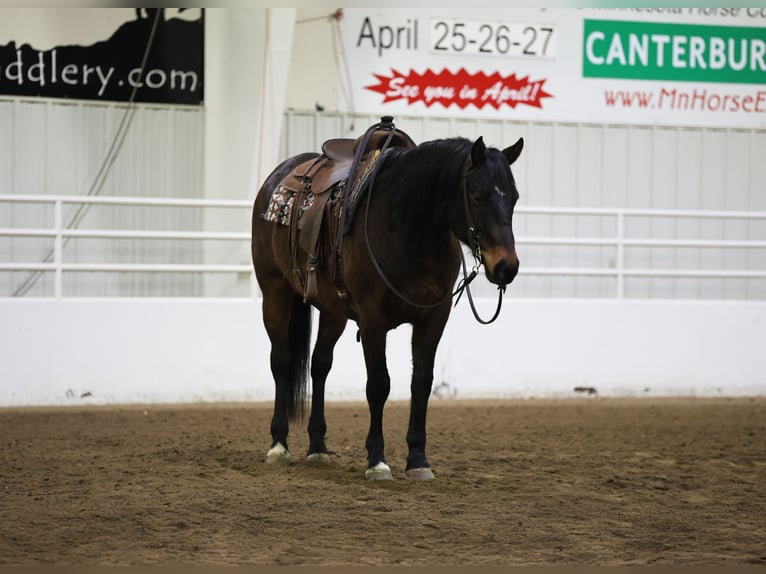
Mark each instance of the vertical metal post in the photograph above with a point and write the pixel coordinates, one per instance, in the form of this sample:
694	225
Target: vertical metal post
620	254
286	140
58	248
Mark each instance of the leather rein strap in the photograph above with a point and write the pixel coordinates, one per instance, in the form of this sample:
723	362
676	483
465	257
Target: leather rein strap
473	239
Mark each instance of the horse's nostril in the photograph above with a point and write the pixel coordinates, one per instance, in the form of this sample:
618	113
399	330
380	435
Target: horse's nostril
505	272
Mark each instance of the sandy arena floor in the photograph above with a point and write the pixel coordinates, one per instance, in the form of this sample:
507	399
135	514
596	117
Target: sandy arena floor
583	481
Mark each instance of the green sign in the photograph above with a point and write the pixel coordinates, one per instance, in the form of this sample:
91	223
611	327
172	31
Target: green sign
676	52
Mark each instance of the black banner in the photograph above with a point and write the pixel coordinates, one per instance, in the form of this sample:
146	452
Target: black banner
111	69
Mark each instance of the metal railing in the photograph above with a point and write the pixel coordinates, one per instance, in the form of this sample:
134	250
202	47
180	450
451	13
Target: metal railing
58	233
619	241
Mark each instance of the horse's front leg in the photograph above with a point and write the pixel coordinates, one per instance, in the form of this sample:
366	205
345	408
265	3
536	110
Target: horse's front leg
378	388
331	327
425	340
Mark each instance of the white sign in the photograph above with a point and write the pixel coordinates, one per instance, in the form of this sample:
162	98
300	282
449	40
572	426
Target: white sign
667	66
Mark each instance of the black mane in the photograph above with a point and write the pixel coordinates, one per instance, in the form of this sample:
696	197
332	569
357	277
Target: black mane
418	182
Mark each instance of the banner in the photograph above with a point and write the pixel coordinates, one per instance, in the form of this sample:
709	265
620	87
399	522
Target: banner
658	66
109	67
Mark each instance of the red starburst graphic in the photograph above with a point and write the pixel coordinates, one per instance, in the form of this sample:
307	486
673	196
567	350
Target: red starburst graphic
460	88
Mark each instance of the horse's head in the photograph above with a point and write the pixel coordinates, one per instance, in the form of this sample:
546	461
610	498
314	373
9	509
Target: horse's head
489	198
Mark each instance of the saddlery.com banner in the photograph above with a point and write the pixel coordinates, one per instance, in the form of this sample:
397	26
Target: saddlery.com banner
97	54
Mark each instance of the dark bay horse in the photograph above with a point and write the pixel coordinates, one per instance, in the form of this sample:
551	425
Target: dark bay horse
399	260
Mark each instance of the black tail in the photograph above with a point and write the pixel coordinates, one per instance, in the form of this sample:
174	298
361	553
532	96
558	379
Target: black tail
299	336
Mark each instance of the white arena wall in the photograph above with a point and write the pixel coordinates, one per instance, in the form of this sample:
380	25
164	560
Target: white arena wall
90	351
643	247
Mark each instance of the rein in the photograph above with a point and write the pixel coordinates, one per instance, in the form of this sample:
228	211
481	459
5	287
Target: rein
464	286
473	240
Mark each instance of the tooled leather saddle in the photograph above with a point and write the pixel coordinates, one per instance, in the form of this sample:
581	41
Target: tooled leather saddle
329	178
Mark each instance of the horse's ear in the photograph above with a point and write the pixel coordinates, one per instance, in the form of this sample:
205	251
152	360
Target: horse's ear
512	153
477	151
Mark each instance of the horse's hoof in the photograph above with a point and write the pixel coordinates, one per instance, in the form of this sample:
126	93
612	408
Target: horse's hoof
319	458
421	473
278	455
380	471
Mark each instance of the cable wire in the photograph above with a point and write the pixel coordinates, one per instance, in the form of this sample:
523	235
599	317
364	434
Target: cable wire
339	51
104	169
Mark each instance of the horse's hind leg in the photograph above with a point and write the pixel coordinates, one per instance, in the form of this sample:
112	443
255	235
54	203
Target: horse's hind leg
288	323
276	328
331	327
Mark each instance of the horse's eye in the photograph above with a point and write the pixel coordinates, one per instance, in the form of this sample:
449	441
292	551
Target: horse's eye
479	195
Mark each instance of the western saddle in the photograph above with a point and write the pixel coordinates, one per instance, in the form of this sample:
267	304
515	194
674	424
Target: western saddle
336	169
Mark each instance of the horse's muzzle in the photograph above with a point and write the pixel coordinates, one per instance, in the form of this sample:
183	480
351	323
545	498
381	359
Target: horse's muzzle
504	271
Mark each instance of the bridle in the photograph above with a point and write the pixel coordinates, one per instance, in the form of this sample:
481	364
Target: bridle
473	243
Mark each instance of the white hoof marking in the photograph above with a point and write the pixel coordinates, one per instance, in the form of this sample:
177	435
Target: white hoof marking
380	471
319	457
421	474
278	455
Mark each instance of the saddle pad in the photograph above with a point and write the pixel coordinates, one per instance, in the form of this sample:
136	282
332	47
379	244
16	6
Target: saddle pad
360	185
281	204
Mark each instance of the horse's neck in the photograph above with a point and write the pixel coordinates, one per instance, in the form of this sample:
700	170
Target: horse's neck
421	211
426	183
